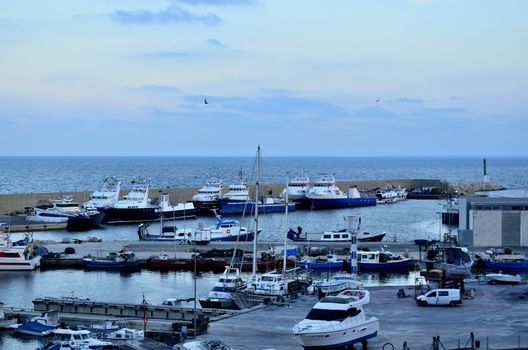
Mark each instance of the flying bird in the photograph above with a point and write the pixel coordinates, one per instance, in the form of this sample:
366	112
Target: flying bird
378	100
205	102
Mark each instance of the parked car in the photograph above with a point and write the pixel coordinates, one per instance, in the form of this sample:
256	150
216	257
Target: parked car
449	297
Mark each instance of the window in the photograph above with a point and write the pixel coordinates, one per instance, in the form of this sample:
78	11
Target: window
327	236
337	236
443	293
431	295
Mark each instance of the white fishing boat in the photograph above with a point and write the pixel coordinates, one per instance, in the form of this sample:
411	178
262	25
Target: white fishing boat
236	193
337	321
175	212
297	189
126	334
135	206
206	198
220	297
106	196
391	194
17	257
325	194
503	278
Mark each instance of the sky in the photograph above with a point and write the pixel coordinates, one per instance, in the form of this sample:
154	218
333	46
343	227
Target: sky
299	77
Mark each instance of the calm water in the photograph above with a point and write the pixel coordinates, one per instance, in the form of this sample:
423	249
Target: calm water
53	174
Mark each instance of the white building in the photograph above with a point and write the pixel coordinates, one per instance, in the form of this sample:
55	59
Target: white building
493	222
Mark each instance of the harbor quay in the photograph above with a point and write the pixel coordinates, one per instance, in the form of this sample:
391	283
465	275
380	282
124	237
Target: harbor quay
495	314
11	204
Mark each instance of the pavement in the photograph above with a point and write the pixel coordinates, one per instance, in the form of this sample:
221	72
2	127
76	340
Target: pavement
497	316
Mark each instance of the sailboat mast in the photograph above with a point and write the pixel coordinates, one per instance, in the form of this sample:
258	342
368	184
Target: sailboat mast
256	212
285	253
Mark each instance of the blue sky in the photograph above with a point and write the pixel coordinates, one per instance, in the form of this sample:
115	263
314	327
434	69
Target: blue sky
300	77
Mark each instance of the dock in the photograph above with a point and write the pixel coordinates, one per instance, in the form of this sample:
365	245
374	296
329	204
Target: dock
18	223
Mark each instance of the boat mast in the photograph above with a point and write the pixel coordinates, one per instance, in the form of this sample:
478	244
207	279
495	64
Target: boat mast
285	253
353	247
256	212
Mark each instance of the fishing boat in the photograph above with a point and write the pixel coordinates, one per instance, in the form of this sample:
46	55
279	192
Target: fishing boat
17	257
266	206
337	322
236	192
220	297
336	284
175	212
65	210
506	262
333	236
381	261
125	334
207	197
502	278
330	262
106	196
297	189
324	194
40	326
454	261
135	206
164	262
223	230
124	259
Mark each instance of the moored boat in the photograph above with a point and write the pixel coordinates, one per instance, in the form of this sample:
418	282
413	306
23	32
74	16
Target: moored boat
206	199
121	260
220	297
17	257
106	196
381	261
296	189
135	206
326	195
506	262
336	284
330	262
175	212
337	322
265	206
40	326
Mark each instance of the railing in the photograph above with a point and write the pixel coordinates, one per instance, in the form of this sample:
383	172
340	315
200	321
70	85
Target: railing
472	342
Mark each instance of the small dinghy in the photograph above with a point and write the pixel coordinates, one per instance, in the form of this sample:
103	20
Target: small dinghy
502	278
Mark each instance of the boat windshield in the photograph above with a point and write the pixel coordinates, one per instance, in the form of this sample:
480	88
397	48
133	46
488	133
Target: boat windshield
331	315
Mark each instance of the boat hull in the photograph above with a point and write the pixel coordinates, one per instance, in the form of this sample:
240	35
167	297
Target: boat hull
337	265
509	266
111	265
35	329
239	207
335	203
217	303
338	338
131	215
206	208
396	265
7	264
85	223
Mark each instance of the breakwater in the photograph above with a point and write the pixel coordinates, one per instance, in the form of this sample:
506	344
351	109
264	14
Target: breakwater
16	203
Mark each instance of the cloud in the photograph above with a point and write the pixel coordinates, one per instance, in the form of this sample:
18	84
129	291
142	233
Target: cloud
406	100
215	43
169	54
218	2
160	88
173	14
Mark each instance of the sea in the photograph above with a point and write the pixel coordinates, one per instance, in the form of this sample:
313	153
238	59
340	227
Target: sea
403	221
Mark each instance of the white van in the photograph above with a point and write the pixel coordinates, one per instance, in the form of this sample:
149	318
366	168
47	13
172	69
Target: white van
449	297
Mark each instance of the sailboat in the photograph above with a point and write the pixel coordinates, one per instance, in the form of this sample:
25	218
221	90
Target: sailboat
269	286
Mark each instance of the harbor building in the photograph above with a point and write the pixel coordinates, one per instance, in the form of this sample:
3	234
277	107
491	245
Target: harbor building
493	222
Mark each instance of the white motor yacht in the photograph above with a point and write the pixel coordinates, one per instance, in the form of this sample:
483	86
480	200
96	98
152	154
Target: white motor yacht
17	257
65	210
337	321
220	297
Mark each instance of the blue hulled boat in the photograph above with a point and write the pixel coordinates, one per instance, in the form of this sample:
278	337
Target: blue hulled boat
330	263
122	260
269	205
326	195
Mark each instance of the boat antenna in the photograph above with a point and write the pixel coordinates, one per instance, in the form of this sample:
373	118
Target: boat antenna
285	252
254	270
